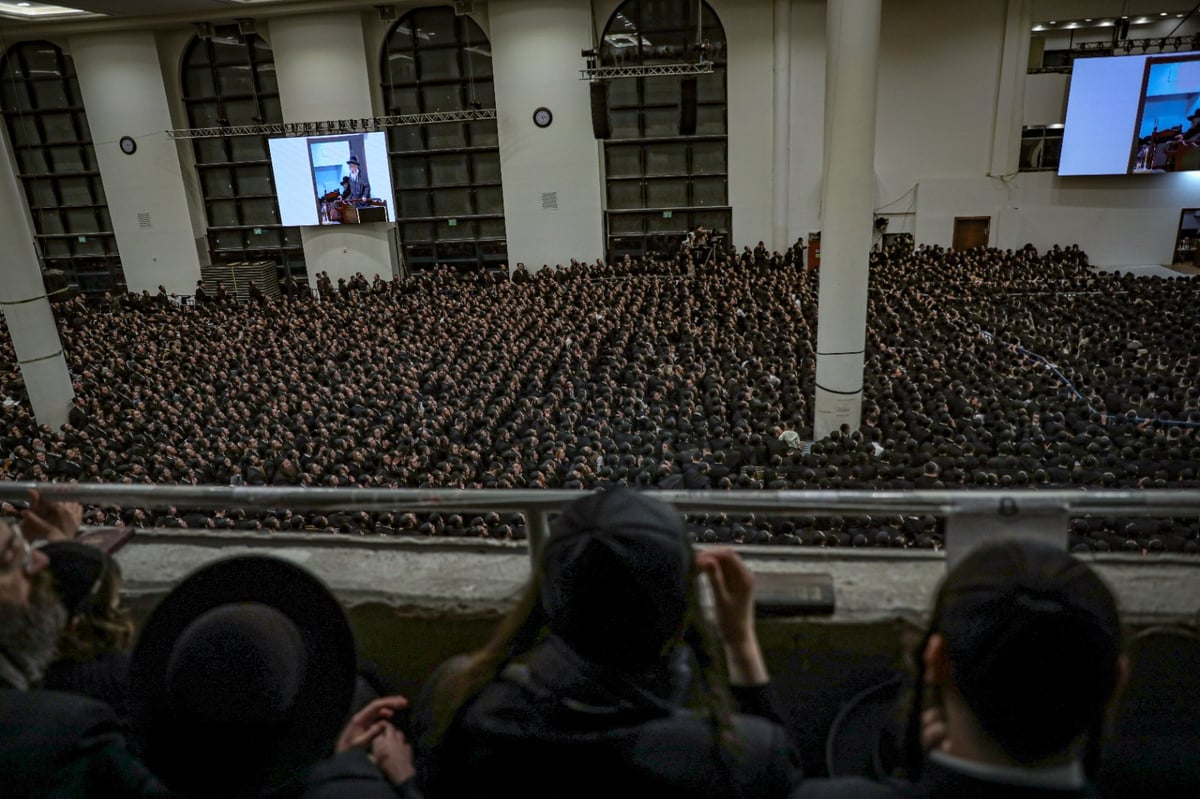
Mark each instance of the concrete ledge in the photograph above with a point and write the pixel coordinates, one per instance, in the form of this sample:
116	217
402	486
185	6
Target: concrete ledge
470	578
413	603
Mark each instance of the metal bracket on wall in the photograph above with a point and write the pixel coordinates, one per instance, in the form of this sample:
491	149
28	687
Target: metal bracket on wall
978	519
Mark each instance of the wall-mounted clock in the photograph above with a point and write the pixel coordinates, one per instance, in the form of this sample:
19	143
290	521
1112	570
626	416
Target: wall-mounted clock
542	117
128	145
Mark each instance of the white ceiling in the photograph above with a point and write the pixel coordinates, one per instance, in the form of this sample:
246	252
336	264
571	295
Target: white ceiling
1081	9
63	9
139	8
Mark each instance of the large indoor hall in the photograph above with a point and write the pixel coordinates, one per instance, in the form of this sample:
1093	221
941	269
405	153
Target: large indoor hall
677	398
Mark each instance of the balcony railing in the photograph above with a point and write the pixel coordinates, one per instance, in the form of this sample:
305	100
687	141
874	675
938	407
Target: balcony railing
970	516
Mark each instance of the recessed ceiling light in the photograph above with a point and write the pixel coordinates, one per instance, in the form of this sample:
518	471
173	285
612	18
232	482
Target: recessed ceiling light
1162	13
24	5
1089	19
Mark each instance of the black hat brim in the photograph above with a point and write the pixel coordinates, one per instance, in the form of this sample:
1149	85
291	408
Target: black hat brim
197	756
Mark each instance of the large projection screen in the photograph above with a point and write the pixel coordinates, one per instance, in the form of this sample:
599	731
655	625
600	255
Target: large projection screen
1130	115
308	169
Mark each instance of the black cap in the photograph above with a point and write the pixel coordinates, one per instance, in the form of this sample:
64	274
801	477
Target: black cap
1034	637
617	577
77	569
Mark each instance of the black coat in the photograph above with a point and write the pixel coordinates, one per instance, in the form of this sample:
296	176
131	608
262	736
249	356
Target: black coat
64	745
105	679
557	726
936	782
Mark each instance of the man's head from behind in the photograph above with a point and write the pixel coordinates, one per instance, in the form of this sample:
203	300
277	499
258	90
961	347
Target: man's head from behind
31	615
1026	643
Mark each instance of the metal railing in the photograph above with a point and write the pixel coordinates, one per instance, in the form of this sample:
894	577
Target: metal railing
971	516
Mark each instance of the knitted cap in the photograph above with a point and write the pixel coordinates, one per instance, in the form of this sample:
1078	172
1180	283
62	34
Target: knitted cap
617	577
77	570
1034	638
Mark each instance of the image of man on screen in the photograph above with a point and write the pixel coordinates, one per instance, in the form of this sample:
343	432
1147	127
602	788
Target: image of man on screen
1192	133
358	188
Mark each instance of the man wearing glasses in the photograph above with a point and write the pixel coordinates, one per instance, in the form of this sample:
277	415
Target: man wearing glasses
54	743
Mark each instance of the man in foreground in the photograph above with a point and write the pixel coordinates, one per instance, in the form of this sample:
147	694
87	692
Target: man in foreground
1022	659
55	744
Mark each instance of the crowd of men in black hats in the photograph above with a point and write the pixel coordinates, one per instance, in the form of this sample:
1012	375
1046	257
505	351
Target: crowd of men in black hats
985	368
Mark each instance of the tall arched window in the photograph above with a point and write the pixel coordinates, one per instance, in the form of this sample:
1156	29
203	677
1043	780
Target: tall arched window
447	176
57	164
663	180
229	79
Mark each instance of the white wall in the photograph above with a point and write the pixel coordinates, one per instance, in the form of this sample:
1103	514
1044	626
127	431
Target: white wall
122	88
749	26
535	54
808	115
321	61
1118	220
1046	98
938	75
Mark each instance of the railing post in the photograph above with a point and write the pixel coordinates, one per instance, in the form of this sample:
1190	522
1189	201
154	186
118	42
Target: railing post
538	529
976	520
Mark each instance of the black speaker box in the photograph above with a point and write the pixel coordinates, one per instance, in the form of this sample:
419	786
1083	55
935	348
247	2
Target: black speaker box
687	108
601	126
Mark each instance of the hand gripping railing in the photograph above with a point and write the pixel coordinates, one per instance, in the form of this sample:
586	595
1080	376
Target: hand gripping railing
971	516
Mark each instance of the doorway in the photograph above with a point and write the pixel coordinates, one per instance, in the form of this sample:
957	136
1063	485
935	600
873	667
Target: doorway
971	231
1187	242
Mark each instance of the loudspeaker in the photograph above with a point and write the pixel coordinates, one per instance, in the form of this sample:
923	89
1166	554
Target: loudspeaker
687	108
601	126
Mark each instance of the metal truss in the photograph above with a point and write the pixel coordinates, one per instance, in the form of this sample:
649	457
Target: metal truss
1160	43
651	70
333	126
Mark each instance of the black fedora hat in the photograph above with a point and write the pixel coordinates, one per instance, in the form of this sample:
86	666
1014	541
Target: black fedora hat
242	678
354	160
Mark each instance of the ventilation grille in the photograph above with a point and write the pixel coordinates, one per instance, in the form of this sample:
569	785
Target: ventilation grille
144	220
550	200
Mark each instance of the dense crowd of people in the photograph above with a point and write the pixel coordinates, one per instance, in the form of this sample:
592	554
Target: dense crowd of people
985	368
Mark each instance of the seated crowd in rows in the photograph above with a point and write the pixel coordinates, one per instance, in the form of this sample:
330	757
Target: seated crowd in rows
607	678
984	368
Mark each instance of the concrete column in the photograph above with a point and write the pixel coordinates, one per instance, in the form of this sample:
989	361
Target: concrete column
535	60
321	64
26	310
782	158
1010	88
851	84
121	82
